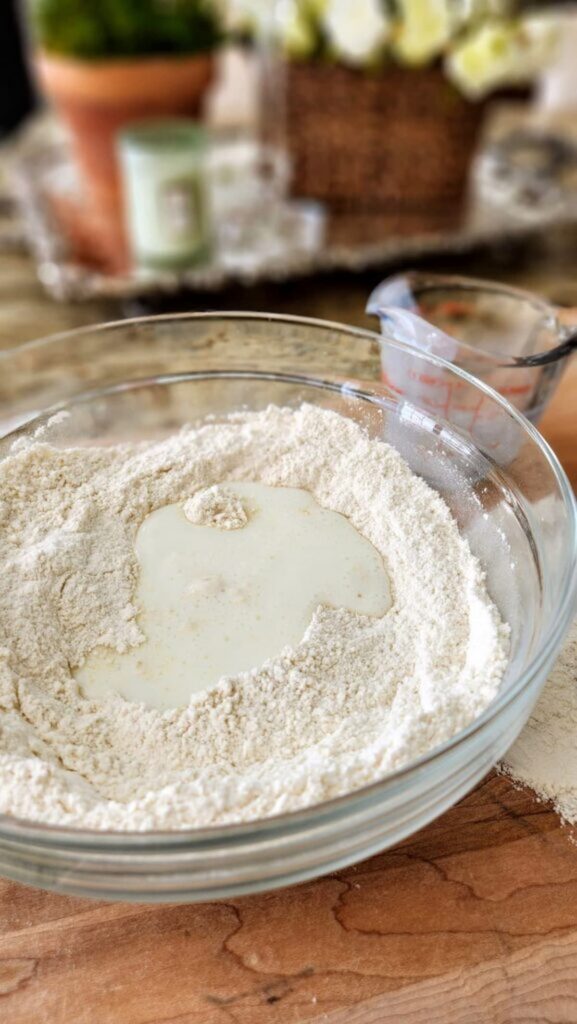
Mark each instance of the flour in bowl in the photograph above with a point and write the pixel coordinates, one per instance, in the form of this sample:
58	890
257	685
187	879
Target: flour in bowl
357	697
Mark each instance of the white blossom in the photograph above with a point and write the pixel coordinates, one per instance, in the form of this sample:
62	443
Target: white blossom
294	24
503	53
465	11
425	27
483	48
356	30
249	15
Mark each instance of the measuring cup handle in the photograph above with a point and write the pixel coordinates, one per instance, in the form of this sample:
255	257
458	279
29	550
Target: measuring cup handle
568	320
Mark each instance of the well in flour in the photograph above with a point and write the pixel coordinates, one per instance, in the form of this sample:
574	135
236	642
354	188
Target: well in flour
215	602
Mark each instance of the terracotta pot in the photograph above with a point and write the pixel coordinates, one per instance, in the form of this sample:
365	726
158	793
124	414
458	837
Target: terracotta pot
97	98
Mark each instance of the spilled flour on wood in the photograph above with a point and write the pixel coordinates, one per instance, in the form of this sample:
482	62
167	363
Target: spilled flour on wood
545	755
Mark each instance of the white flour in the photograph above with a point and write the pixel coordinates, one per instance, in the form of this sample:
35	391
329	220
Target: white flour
357	697
545	755
216	506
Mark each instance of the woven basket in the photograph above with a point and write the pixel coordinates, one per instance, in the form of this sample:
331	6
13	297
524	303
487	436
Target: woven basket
393	147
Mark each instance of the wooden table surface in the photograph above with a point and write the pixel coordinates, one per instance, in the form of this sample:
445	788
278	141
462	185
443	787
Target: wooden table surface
471	921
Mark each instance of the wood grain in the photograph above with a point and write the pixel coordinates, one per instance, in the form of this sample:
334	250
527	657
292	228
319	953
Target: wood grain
471	921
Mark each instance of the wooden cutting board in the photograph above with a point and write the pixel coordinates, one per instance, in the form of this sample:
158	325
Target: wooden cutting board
471	921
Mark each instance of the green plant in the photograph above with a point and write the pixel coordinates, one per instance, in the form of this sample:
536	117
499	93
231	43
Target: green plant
92	29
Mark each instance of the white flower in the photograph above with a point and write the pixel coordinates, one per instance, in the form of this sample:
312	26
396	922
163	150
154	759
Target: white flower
249	15
295	27
465	11
424	29
541	33
357	29
503	53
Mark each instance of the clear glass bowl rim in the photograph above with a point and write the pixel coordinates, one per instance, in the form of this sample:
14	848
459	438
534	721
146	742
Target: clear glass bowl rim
157	842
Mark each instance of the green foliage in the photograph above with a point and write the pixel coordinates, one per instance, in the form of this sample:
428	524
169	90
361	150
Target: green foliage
92	29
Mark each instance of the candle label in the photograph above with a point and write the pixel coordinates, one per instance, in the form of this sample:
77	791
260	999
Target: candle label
180	209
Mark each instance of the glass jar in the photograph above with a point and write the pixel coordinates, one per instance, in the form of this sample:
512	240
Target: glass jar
167	208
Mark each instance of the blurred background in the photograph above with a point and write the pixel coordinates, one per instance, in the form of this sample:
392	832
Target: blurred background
189	154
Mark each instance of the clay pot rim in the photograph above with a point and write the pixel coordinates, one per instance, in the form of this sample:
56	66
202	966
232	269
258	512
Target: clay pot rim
129	77
100	63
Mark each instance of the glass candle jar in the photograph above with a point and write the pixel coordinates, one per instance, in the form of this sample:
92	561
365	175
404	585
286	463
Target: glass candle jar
167	210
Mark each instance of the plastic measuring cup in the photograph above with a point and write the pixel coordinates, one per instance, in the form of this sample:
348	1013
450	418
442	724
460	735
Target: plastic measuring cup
514	341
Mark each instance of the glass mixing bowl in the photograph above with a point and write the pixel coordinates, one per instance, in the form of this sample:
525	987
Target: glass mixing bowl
146	378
